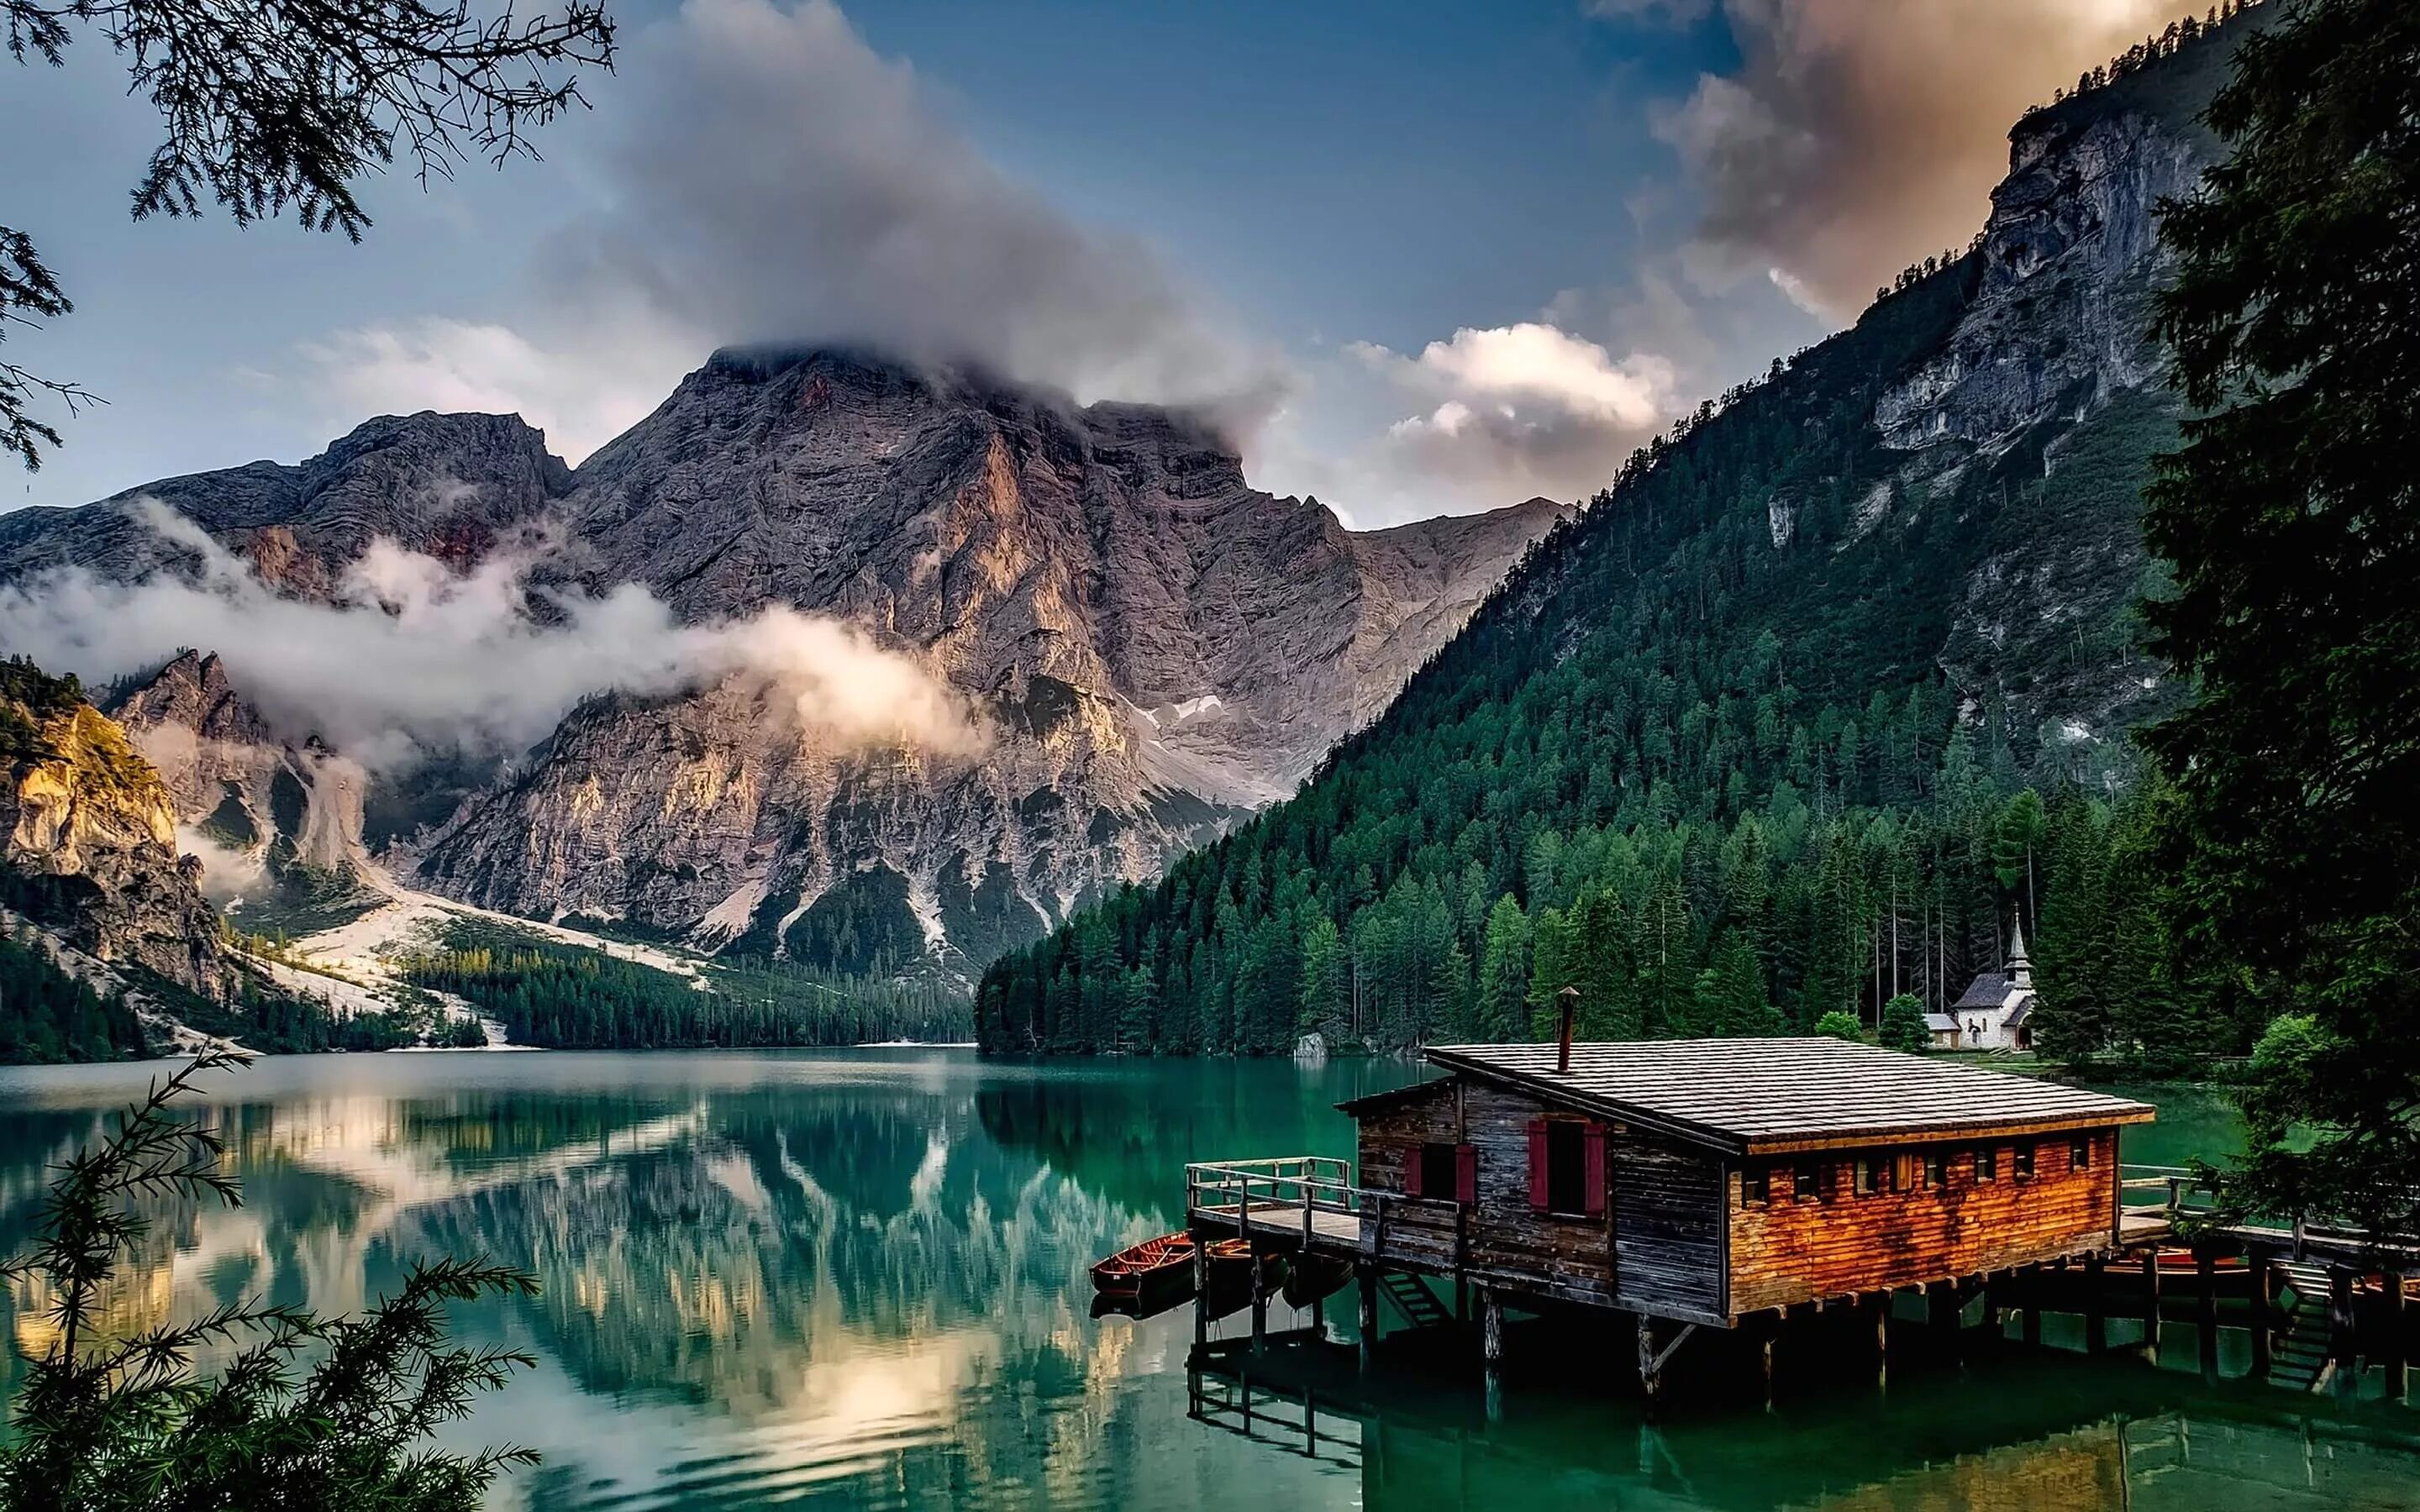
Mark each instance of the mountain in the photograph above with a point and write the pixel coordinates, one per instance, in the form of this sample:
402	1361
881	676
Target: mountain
1152	648
1829	687
446	485
88	841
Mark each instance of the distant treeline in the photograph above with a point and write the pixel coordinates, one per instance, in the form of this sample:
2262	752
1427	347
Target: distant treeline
570	997
48	1015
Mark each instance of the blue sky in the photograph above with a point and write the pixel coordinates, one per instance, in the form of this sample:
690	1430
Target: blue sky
1425	258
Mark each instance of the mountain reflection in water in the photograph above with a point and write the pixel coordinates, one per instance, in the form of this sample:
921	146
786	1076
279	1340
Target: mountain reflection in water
861	1277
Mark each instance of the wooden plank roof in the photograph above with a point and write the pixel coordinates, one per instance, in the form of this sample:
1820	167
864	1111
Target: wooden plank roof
1369	1102
1773	1096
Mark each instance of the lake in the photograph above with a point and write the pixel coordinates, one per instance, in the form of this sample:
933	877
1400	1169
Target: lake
859	1278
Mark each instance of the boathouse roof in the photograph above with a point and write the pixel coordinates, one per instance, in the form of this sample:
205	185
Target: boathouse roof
1773	1096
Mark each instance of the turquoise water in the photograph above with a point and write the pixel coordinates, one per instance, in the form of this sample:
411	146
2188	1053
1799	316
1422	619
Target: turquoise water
859	1278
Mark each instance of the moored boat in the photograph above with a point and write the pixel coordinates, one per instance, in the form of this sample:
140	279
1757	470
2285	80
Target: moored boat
1156	1269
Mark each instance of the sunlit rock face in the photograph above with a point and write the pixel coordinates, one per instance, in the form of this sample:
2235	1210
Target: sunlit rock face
1150	647
89	849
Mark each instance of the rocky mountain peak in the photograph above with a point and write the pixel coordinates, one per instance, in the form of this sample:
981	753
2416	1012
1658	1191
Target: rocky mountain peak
1155	646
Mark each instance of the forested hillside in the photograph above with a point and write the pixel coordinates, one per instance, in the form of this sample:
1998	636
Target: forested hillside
564	997
1830	687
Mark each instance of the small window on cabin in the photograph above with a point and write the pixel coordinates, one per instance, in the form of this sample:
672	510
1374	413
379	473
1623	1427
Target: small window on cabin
1806	1182
1987	1166
2025	1163
1566	1165
1936	1170
2079	1154
1437	1170
1869	1176
1756	1186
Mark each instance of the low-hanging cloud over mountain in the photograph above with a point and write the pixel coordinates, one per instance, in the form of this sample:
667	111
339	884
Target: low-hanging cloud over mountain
413	656
770	178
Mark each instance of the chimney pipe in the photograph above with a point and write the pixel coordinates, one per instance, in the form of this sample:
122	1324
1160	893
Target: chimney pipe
1569	1000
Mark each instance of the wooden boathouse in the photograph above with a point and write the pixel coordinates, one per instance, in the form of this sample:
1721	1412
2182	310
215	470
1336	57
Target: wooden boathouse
1695	1182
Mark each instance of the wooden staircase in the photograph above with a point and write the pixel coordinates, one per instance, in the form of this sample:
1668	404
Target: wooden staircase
1414	1300
2302	1361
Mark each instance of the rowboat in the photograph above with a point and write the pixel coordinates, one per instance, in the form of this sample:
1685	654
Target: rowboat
1156	1269
1230	1274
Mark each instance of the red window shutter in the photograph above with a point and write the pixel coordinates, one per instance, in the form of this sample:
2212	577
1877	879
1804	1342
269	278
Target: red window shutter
1414	1158
1592	1193
1538	1163
1466	1173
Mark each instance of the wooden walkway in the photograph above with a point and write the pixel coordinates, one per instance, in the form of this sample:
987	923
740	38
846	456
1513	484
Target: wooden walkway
1329	1232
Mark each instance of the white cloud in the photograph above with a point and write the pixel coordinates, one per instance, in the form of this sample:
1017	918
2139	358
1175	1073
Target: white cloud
413	656
1861	135
1535	365
582	397
774	180
1511	412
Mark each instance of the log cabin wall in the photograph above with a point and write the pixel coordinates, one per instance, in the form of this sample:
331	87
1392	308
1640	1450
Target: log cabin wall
1649	1238
1668	1203
1566	1254
1784	1249
1419	1230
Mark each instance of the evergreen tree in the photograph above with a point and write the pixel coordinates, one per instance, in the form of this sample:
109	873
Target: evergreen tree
1504	975
1903	1026
2291	519
1327	985
315	1415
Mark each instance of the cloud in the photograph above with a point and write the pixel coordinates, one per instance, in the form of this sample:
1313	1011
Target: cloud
1861	135
773	179
582	398
413	656
1515	410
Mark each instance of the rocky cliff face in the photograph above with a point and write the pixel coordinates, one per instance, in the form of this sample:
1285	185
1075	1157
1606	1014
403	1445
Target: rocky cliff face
2050	376
447	484
1152	646
87	838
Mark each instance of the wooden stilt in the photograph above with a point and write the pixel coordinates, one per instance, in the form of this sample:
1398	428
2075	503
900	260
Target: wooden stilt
1943	1310
1260	1301
2206	1318
1491	1326
2033	1307
1878	1305
1368	1275
2096	1307
1994	1306
2340	1321
1201	1294
2393	1355
1764	1353
1650	1370
2264	1312
2151	1306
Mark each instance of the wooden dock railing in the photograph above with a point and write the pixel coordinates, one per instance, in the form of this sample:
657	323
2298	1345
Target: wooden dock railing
1312	1183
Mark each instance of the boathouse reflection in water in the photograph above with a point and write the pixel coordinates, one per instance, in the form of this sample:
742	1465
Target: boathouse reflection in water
2032	1433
